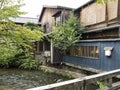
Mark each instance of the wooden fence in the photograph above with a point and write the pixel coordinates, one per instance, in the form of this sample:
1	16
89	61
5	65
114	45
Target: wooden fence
87	83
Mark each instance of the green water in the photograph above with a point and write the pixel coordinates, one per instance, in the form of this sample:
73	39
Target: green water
14	79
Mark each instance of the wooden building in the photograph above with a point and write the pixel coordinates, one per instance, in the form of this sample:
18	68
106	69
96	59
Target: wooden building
50	16
100	44
23	20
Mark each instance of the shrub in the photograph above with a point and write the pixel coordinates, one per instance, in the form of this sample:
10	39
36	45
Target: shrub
29	64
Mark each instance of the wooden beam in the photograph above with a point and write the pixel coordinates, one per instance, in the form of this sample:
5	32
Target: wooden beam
38	47
82	83
119	32
119	11
52	86
51	51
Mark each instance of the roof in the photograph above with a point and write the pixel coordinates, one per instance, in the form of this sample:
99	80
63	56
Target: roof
23	20
84	5
52	7
103	28
57	13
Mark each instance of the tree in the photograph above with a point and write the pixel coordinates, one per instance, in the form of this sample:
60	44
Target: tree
10	8
67	34
14	39
32	26
103	1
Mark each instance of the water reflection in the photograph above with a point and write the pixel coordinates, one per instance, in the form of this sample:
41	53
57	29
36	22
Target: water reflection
13	79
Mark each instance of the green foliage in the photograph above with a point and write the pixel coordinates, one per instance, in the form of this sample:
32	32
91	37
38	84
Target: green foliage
33	26
67	34
7	52
10	8
103	1
45	70
28	61
14	40
29	64
18	35
101	84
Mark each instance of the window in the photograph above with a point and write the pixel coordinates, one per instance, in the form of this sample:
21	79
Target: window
57	20
85	51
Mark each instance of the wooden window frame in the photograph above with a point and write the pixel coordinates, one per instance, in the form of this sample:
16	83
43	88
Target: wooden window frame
85	51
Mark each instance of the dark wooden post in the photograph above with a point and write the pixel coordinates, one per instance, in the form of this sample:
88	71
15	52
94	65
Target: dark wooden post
119	32
110	83
38	47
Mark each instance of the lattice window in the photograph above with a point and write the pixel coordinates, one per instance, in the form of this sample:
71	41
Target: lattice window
85	51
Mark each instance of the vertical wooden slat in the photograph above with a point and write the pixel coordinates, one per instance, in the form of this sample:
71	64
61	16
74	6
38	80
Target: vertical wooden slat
118	10
119	32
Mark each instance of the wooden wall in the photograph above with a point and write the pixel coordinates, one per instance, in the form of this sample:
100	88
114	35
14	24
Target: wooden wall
105	34
90	14
99	15
48	18
103	62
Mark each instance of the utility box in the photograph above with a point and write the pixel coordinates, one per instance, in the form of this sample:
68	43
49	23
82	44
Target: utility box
108	51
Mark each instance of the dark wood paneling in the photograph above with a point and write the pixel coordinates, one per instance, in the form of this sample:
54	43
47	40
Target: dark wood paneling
119	10
57	56
100	15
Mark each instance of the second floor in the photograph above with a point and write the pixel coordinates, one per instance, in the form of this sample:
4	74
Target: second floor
52	15
94	15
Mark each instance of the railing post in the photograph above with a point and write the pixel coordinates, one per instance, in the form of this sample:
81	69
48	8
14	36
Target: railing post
84	85
80	86
110	83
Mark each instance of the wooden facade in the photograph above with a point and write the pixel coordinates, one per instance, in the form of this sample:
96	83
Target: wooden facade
102	61
94	15
102	31
100	16
48	20
47	16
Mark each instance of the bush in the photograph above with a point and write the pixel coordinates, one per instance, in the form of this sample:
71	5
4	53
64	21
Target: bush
29	64
4	63
23	59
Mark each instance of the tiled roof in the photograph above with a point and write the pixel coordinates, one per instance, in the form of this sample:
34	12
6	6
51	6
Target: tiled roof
23	20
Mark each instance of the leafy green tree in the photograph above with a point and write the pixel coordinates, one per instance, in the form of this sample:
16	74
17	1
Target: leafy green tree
10	8
103	1
32	26
15	40
67	34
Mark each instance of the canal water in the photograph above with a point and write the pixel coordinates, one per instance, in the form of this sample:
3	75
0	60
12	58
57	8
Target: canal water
14	79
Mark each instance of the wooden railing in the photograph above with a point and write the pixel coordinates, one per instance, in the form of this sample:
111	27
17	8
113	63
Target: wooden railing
86	83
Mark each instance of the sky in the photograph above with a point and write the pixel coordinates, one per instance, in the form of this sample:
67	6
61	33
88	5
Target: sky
34	7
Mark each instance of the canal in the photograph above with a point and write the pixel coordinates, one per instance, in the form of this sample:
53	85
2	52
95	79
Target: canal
15	79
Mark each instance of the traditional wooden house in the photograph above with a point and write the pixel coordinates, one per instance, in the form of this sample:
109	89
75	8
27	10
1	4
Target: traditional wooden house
50	16
100	44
